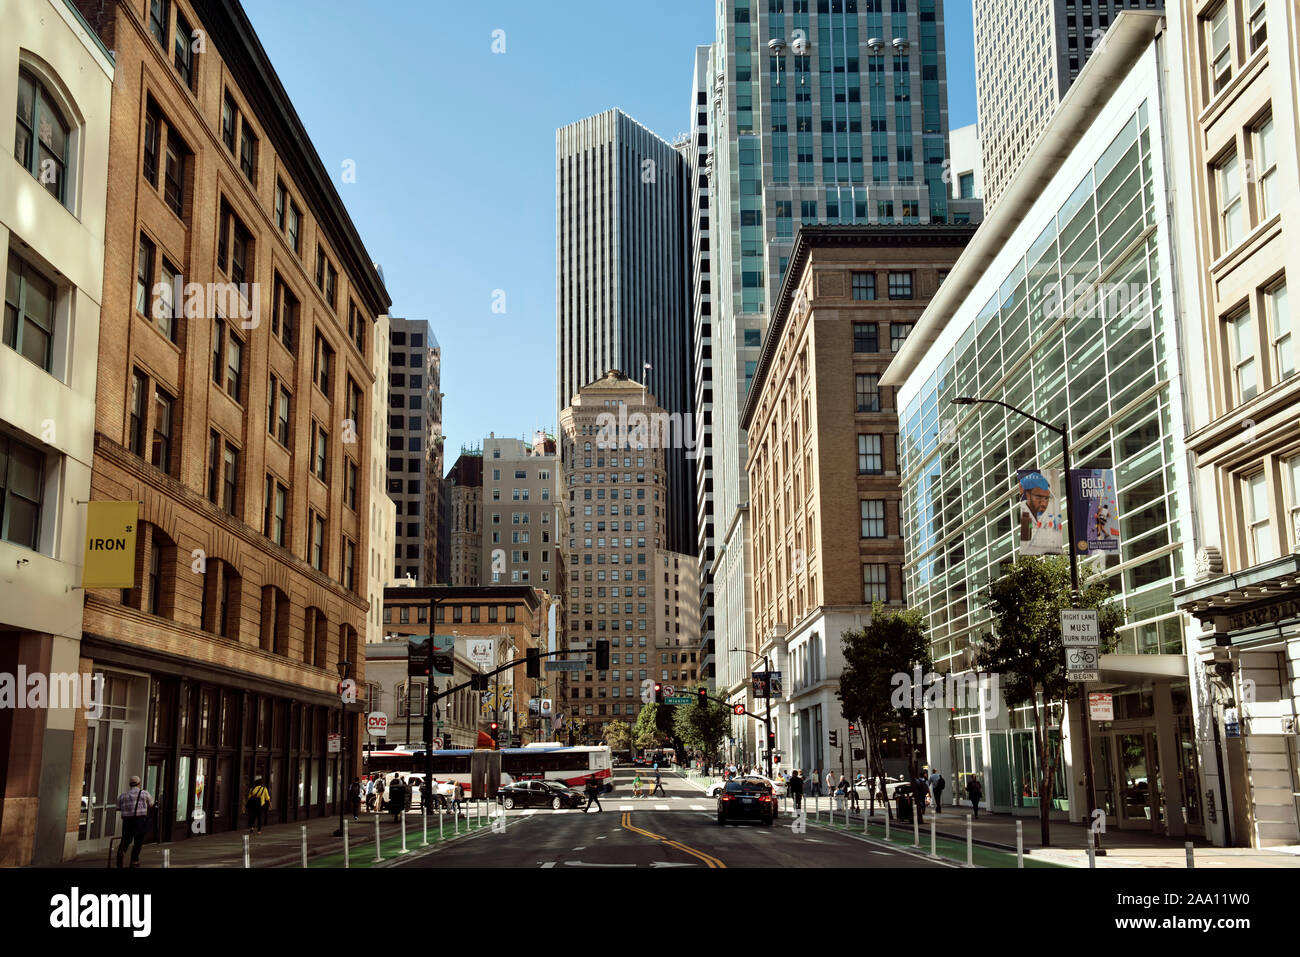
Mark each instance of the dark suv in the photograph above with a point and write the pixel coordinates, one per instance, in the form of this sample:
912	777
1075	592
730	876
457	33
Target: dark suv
747	799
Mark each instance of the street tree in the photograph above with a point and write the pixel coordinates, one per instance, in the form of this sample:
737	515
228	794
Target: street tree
893	644
702	729
1026	652
648	733
618	735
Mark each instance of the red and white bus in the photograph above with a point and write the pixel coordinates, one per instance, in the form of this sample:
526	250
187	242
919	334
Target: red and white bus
478	773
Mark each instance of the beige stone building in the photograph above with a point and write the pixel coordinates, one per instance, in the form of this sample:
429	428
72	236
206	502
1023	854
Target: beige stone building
464	487
677	611
613	436
240	423
823	466
383	510
1234	90
52	224
520	484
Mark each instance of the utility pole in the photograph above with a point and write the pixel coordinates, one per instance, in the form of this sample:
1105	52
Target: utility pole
767	701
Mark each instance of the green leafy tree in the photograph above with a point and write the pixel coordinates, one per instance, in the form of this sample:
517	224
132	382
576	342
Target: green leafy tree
702	729
618	735
1026	652
894	643
648	732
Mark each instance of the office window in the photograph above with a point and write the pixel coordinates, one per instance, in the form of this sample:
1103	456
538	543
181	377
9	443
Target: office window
152	134
350	484
22	486
277	412
868	390
159	16
1231	214
184	53
1257	515
144	276
320	440
898	333
230	476
1291	475
900	285
139	400
1257	23
284	313
248	153
279	204
29	312
214	467
317	550
331	283
42	136
1266	169
1220	46
1245	366
166	312
295	227
228	114
160	454
864	286
966	185
350	567
873	518
233	378
1279	318
871	457
273	520
322	364
865	337
875	583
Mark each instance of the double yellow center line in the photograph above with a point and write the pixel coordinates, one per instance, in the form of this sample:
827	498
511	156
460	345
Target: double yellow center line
708	859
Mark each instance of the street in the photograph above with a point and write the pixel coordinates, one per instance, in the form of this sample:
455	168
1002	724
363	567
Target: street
679	830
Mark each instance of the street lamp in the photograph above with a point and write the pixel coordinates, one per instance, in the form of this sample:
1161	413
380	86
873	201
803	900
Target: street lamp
341	767
1063	430
767	700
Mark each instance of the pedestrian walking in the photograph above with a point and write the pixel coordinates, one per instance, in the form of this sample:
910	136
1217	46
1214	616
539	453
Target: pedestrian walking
636	785
919	791
815	783
975	792
370	794
830	783
133	807
937	784
397	797
354	795
593	796
796	789
659	786
379	796
257	804
841	792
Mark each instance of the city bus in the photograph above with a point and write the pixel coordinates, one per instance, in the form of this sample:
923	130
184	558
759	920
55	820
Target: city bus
478	773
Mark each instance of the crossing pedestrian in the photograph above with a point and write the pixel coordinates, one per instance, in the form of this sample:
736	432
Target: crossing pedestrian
133	806
796	789
354	797
370	794
830	783
593	796
816	783
659	786
937	784
379	796
636	785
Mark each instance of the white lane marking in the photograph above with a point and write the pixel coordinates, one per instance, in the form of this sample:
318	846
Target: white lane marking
698	807
581	847
661	807
548	864
585	864
813	840
672	864
625	807
601	837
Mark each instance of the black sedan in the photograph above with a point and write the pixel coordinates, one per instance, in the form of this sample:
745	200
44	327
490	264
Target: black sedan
539	794
747	799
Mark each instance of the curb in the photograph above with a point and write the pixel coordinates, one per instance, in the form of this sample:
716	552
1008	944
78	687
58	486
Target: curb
894	847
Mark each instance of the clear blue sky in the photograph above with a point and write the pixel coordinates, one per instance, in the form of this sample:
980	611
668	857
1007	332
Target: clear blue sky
454	148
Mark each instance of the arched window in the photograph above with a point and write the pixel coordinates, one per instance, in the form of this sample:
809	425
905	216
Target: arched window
275	621
315	640
222	599
41	143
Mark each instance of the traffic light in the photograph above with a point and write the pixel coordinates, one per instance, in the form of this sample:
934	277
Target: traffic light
852	730
602	655
659	693
704	697
478	682
533	663
738	710
771	741
835	739
428	727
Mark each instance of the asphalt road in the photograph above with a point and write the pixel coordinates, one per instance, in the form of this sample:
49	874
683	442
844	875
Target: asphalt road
676	831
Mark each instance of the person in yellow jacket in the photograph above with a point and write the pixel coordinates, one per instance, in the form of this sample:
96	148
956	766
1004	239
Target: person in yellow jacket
257	804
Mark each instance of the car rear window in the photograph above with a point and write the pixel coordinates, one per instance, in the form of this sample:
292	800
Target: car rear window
747	786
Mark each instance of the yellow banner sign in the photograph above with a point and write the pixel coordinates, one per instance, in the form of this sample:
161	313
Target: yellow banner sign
110	545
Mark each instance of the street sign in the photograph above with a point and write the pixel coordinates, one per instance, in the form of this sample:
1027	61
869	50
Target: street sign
436	743
335	743
669	690
1081	664
1101	706
1079	627
377	723
1231	723
678	699
439	725
565	665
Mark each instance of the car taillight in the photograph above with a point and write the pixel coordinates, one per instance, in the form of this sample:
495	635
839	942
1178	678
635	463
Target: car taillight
764	797
728	797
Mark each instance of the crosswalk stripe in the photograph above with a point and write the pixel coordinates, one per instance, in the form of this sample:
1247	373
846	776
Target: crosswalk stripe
661	807
698	807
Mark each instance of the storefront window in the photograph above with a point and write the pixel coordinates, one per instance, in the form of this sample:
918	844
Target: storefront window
182	787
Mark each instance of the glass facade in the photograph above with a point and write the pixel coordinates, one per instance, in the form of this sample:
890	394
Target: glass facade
1077	329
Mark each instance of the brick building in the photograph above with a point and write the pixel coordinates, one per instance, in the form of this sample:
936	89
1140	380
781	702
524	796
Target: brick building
238	422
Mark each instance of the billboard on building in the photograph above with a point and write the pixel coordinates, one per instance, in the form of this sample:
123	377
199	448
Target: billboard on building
1040	511
109	560
1094	518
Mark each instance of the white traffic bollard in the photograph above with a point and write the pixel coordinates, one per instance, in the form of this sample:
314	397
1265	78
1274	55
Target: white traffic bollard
1191	861
1092	849
304	845
424	826
378	855
440	834
247	863
886	824
167	857
1020	844
932	844
916	828
347	847
970	844
401	815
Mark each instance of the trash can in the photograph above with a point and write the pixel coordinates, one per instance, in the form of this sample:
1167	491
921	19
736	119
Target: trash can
904	806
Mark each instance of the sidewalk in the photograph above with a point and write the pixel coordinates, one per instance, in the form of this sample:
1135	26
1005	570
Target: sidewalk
1069	842
280	845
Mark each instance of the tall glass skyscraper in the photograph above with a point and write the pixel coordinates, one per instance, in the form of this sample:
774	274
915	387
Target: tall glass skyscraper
820	111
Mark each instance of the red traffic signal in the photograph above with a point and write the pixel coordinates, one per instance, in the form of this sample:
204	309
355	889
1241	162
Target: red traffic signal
494	726
738	709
